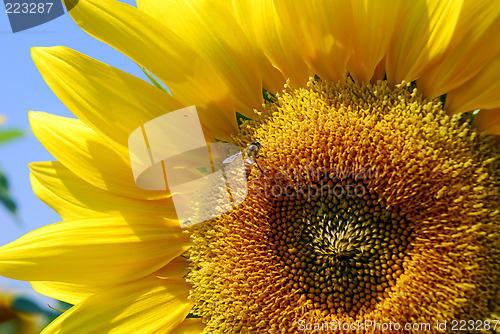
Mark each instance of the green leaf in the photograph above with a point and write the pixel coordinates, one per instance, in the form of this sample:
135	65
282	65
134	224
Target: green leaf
8	203
154	81
3	181
10	134
49	313
24	304
5	198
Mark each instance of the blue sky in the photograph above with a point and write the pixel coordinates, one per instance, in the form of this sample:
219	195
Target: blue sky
23	89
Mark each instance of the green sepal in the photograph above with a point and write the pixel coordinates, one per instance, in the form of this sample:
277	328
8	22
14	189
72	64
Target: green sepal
268	97
154	81
473	115
240	118
442	98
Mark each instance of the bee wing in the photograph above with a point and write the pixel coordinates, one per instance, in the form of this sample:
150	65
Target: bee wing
250	161
231	158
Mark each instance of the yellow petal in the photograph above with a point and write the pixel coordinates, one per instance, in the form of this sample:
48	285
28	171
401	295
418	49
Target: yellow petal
190	326
97	251
177	268
72	197
379	72
66	292
75	293
488	120
423	36
88	155
374	23
144	306
213	32
476	42
263	27
154	46
99	94
480	92
325	42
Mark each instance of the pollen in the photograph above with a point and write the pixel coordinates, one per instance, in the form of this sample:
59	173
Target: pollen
374	205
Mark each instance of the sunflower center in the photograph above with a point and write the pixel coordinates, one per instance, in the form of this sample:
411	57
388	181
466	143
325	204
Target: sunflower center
341	251
365	201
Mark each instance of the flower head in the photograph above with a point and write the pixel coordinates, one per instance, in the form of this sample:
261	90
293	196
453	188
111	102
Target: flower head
369	210
377	199
13	320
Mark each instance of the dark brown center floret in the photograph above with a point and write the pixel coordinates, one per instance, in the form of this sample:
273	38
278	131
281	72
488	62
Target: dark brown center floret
341	251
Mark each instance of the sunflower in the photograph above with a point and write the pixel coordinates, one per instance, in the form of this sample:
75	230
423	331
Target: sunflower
375	201
14	321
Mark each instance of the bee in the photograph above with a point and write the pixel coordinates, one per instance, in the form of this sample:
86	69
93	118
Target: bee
250	155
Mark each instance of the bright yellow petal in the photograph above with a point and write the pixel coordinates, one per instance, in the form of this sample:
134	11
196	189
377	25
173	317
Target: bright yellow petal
73	198
97	251
422	37
213	32
481	92
374	23
154	46
66	292
88	155
261	23
99	94
476	42
324	32
190	326
177	268
488	120
144	306
75	293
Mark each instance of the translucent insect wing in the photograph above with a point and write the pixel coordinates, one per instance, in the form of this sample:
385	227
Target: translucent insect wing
231	158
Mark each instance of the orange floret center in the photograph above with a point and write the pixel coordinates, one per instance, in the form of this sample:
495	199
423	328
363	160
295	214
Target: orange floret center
375	205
